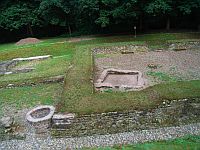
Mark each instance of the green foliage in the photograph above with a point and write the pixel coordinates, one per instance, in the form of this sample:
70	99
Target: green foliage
114	11
103	19
18	15
54	12
156	7
88	7
87	15
186	6
170	7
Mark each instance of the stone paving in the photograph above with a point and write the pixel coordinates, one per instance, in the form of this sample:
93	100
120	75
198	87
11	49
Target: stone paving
47	143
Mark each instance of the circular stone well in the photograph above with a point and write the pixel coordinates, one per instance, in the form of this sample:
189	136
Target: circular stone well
40	118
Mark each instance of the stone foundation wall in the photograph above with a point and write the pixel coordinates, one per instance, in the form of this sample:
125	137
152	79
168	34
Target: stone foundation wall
55	79
184	45
121	49
130	49
41	127
170	113
6	66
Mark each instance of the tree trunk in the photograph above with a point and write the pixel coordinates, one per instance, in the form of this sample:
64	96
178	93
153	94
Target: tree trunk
198	27
27	30
141	22
30	30
69	29
168	24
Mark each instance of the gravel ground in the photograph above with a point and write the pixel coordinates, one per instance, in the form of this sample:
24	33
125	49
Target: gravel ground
183	65
47	143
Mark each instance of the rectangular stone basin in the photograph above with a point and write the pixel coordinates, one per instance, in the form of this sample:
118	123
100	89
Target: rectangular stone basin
122	80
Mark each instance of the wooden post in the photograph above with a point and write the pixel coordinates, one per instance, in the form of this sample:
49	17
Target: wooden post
70	32
135	30
93	72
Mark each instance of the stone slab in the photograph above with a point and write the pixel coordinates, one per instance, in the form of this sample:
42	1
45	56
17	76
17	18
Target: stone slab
33	58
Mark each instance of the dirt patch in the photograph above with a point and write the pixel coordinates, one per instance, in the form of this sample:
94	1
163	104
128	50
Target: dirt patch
80	39
170	65
28	41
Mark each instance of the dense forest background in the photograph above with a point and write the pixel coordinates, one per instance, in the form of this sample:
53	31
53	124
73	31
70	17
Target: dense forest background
45	18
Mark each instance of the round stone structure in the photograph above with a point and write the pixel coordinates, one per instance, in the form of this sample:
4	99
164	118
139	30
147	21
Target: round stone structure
40	117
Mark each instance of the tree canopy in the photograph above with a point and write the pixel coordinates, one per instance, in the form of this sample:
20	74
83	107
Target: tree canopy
16	15
89	15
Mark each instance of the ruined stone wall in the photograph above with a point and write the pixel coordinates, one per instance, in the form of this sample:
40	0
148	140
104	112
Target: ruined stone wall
170	113
121	49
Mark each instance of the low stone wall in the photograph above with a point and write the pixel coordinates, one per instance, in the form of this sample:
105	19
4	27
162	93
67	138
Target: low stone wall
171	113
49	80
130	49
121	49
6	66
177	46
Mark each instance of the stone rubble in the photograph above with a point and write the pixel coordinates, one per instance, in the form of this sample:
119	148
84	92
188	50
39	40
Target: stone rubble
62	119
6	122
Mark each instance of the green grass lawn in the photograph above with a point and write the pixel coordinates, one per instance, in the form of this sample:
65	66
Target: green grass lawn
184	143
77	94
11	46
55	49
62	56
43	70
25	97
